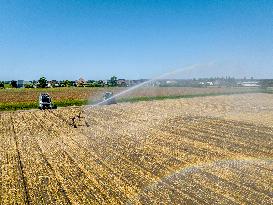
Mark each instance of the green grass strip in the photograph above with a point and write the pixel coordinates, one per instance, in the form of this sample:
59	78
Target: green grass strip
34	105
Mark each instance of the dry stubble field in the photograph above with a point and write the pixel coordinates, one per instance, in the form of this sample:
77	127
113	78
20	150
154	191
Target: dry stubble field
205	150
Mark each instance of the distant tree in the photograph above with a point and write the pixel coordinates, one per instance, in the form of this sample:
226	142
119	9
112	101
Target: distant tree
13	84
42	82
113	81
67	83
100	82
29	85
2	85
94	84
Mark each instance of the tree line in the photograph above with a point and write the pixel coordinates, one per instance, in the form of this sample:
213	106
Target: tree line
43	83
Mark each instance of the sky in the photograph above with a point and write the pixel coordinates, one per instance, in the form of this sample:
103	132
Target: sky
132	39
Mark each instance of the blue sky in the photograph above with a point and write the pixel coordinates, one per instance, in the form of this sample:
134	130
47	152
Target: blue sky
134	39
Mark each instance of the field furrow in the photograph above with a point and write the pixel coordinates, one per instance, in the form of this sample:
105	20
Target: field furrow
209	150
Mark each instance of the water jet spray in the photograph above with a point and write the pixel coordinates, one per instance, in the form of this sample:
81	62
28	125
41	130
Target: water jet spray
162	76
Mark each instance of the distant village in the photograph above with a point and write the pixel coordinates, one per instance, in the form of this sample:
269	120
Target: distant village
116	82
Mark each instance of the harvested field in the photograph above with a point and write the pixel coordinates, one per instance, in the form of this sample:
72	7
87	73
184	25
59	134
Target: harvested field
205	150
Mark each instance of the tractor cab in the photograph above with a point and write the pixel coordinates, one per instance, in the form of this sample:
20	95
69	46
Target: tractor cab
108	98
45	102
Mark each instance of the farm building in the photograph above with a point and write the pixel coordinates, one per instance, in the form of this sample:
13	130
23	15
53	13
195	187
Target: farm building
81	82
121	82
250	84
